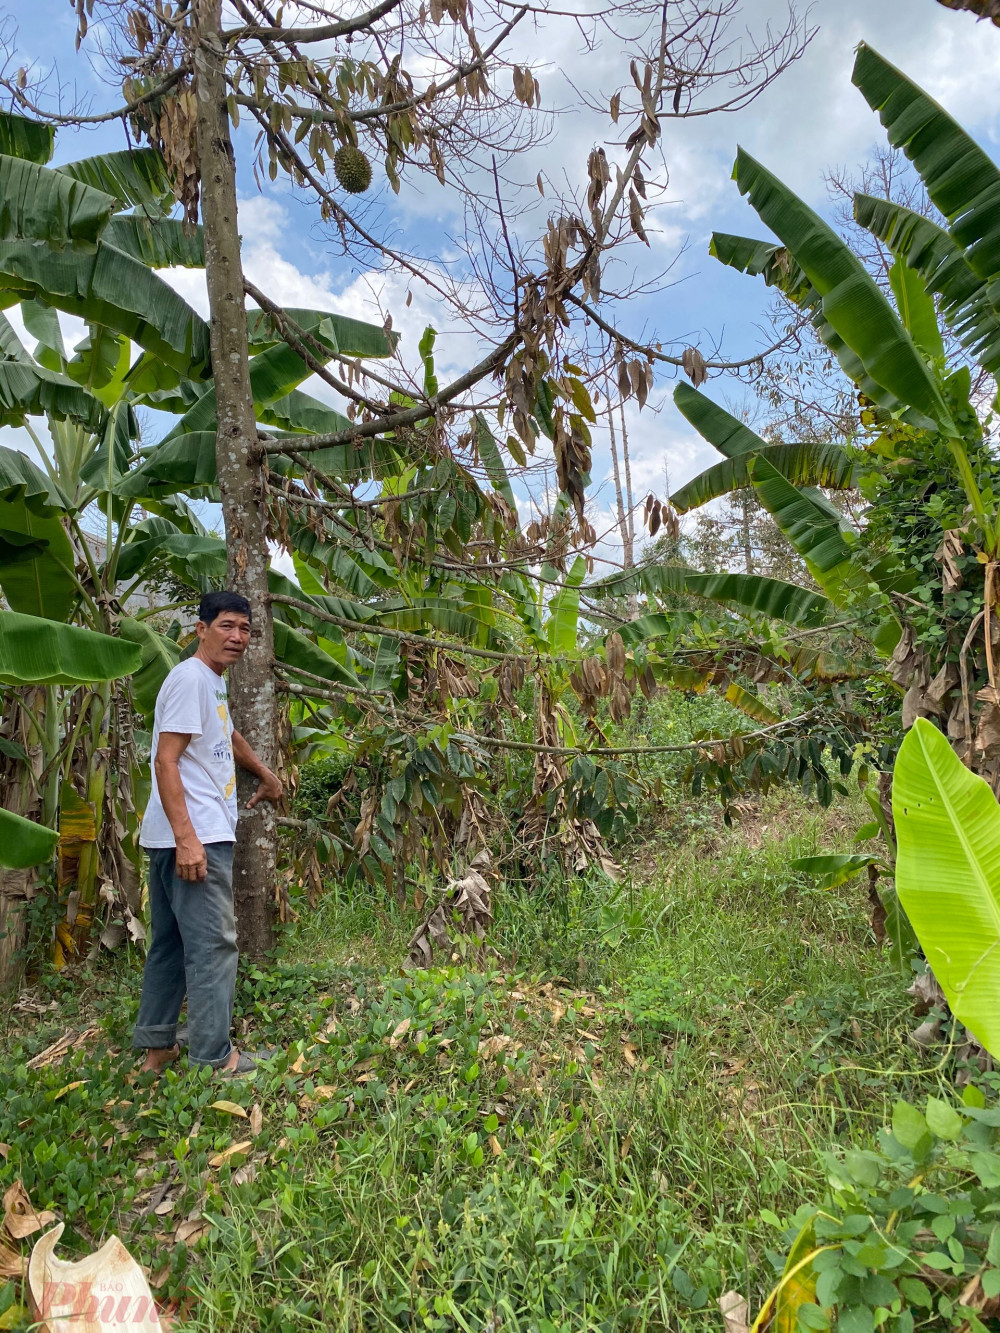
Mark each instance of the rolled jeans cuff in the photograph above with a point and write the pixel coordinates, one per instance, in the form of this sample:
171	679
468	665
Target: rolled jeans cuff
155	1038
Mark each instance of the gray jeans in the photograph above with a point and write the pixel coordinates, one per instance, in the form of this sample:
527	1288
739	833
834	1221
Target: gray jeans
193	950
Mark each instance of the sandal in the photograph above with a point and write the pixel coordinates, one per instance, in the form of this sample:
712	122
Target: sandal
246	1064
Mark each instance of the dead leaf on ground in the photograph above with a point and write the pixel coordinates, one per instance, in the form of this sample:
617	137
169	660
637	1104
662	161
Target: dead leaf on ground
629	1052
256	1120
4	1150
734	1067
244	1174
230	1108
20	1218
735	1311
221	1158
398	1033
11	1263
189	1232
164	1207
495	1147
492	1046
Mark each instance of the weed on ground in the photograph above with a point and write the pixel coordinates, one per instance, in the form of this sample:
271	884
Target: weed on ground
603	1127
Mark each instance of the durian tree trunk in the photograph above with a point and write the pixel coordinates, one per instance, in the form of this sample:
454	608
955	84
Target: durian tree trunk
240	463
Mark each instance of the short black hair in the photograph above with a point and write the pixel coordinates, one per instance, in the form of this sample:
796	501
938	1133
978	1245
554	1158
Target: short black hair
215	603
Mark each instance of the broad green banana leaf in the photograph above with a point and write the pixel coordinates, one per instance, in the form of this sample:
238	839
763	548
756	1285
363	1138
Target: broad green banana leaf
21	479
916	309
109	461
817	538
42	322
30	139
749	592
110	288
10	344
341	334
23	843
193	557
655	625
778	269
835	869
100	363
157	242
36	557
28	390
948	874
134	178
851	300
492	459
751	704
37	204
962	181
297	652
36	651
181	463
274	373
364	574
159	655
940	261
298	412
762	596
564	611
462	621
803	465
729	435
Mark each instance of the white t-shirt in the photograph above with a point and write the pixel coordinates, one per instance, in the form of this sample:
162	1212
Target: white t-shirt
193	701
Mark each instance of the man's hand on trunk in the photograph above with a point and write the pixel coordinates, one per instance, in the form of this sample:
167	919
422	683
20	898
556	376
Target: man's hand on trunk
269	788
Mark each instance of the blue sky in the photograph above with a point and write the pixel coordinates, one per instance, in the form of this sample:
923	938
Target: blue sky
809	121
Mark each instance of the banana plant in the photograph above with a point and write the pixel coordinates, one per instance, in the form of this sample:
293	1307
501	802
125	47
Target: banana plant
919	432
67	246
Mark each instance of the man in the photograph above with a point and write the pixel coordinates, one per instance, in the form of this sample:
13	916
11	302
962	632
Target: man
189	830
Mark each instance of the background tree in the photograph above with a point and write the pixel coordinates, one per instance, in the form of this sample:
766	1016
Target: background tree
322	118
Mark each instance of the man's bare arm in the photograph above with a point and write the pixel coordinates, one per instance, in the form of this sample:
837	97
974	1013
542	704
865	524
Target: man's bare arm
192	861
269	784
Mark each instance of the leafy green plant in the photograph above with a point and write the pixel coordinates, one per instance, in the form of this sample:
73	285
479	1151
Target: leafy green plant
907	1235
948	874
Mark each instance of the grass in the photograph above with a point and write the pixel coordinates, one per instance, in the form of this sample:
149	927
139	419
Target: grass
604	1130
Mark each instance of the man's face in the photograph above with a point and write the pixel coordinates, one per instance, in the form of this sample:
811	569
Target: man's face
225	640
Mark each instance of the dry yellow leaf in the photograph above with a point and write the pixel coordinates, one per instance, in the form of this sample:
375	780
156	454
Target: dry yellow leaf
230	1108
299	1065
629	1052
398	1033
495	1147
4	1150
69	1088
256	1120
221	1158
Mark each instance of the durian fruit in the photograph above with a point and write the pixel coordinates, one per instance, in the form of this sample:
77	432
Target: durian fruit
352	169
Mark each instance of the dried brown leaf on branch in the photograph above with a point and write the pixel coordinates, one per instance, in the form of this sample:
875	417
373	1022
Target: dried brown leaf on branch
466	909
694	366
983	9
